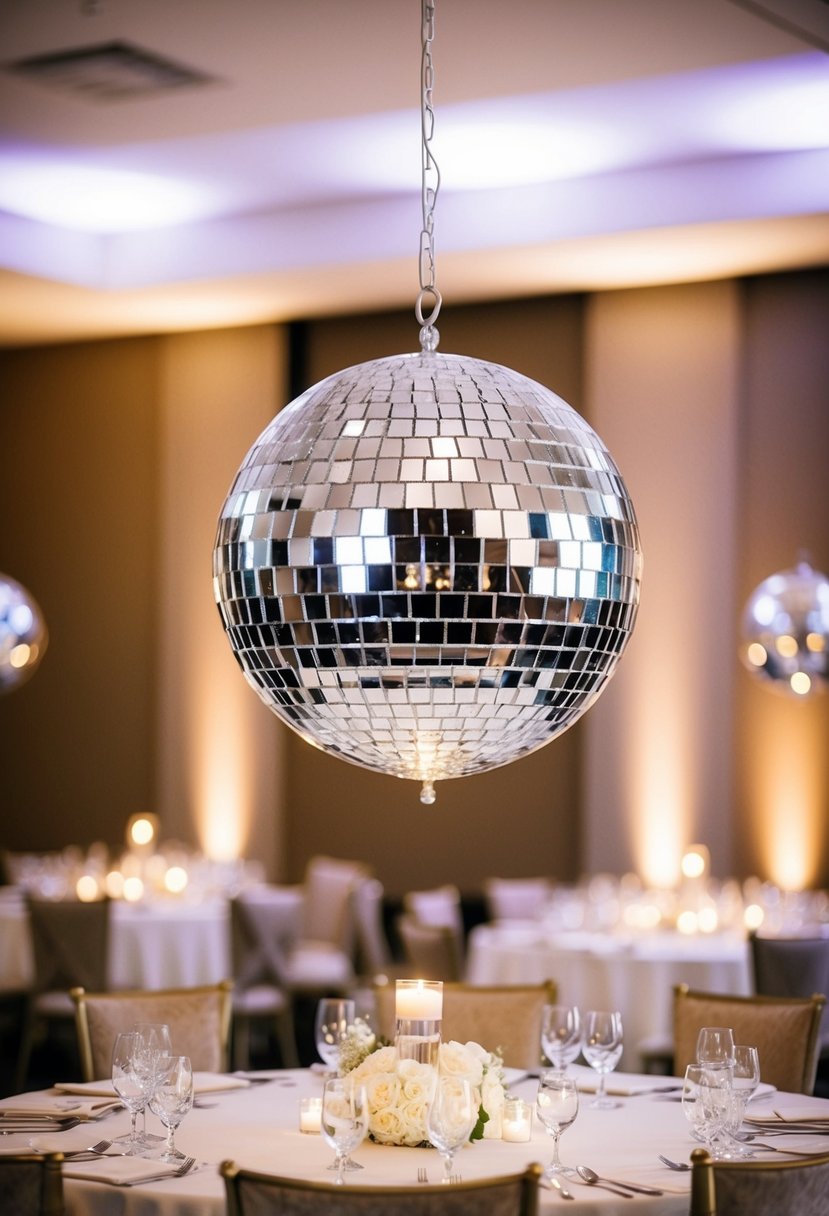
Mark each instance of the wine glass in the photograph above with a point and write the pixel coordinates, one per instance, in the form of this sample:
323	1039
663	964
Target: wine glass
745	1077
557	1103
153	1042
452	1116
129	1088
172	1098
692	1100
715	1045
344	1119
333	1018
602	1048
561	1034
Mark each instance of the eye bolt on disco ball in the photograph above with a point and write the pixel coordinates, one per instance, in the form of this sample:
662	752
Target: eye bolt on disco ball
428	565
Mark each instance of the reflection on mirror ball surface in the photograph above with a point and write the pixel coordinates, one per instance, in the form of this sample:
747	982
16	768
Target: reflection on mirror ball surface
23	634
428	565
786	631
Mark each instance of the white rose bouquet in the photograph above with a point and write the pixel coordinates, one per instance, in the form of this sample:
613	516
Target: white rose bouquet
399	1090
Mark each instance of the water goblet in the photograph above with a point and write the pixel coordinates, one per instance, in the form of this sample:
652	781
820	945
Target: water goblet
561	1034
715	1045
692	1107
451	1119
333	1018
745	1077
706	1104
153	1042
129	1088
557	1103
602	1048
344	1120
172	1098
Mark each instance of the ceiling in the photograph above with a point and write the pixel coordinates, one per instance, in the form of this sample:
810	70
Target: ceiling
583	146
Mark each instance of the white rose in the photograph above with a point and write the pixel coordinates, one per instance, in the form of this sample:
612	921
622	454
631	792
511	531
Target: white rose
382	1090
492	1100
455	1060
387	1127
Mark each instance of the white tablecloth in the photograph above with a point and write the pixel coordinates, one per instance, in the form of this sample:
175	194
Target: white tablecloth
257	1128
596	971
161	944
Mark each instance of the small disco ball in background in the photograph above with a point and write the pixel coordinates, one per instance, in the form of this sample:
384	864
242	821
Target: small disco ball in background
428	565
23	635
786	631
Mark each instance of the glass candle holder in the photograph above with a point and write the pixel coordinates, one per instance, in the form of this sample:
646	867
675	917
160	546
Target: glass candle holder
310	1115
516	1121
418	1012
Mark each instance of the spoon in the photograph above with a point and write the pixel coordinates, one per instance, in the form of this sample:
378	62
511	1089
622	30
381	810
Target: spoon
592	1179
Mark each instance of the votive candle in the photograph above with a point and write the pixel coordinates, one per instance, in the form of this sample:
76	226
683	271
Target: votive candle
310	1115
516	1121
419	1000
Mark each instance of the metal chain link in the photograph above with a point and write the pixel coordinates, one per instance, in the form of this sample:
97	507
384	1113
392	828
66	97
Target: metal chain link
430	184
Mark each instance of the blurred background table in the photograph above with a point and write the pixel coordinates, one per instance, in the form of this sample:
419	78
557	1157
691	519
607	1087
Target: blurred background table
634	974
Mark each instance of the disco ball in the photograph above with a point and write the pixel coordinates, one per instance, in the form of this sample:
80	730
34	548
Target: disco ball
428	565
786	631
23	636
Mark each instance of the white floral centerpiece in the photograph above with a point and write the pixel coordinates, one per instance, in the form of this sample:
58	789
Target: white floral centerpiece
399	1090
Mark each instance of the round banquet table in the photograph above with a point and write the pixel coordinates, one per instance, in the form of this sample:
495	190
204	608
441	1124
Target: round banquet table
597	971
258	1128
152	944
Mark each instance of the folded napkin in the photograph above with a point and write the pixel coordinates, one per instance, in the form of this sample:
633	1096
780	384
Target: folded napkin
816	1111
623	1084
203	1083
55	1106
118	1171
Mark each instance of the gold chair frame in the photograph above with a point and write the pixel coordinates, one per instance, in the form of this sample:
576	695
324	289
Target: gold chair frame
506	1195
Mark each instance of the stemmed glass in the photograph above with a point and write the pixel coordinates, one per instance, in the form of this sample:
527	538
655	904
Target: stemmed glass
331	1025
557	1103
602	1048
451	1119
153	1041
129	1087
715	1045
344	1119
745	1077
172	1098
561	1034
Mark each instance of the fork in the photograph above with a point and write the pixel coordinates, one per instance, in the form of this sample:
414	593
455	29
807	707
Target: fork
681	1166
422	1176
185	1168
94	1150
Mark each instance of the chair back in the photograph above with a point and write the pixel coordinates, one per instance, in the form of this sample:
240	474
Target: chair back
516	898
763	1188
70	942
792	966
260	930
430	950
506	1018
438	906
199	1021
254	1194
328	908
31	1184
373	952
783	1029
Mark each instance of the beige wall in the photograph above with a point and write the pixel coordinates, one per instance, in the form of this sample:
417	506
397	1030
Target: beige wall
115	458
782	805
79	450
220	768
663	393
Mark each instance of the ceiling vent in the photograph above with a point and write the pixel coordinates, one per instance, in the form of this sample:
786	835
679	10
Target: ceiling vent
110	71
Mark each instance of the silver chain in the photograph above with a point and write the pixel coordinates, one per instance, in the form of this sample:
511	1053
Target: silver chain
430	184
